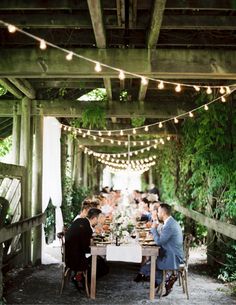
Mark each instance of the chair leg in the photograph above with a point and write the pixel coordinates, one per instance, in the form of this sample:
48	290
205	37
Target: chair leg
86	283
186	283
163	283
66	272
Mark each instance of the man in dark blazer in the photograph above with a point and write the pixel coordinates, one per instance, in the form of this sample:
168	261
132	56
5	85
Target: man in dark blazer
77	240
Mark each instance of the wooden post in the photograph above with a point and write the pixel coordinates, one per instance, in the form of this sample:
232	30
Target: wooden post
37	182
76	164
25	160
16	136
85	170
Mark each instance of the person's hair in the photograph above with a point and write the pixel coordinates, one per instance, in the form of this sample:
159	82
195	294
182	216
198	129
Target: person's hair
94	204
93	212
166	207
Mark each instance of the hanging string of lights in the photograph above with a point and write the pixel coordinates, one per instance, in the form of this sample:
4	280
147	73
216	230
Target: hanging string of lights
121	72
133	131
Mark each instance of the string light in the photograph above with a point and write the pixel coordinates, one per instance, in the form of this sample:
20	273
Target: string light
209	90
168	138
11	28
190	114
206	107
42	44
223	99
176	120
134	131
121	75
197	88
146	128
228	91
144	80
69	56
178	88
222	90
121	133
98	67
160	125
109	133
160	85
99	133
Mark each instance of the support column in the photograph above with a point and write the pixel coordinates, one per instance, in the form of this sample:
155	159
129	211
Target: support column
26	161
77	164
38	185
150	177
85	170
16	136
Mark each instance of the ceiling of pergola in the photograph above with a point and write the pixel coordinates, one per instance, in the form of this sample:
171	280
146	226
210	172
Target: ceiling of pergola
177	40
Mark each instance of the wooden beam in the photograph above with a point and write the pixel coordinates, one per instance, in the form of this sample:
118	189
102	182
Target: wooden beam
120	4
95	10
132	13
11	88
142	91
107	84
12	171
162	63
24	86
25	225
218	226
156	21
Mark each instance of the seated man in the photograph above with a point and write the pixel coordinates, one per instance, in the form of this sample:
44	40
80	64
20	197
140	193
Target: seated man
170	239
77	242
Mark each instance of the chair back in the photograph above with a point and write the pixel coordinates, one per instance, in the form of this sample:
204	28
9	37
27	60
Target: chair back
187	241
61	237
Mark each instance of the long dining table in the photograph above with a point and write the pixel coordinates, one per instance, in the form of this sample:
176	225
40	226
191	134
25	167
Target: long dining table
152	251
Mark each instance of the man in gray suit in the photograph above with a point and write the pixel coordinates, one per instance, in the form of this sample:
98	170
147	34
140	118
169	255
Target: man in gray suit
170	239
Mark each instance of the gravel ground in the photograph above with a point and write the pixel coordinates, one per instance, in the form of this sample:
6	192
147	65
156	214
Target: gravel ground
40	285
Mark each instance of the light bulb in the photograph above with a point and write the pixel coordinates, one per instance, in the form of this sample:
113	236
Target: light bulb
141	143
109	133
134	143
102	140
148	142
98	67
11	28
43	44
160	125
178	88
176	120
160	85
190	114
222	90
99	133
88	132
227	88
168	138
209	90
121	133
121	75
134	131
146	128
119	143
206	107
144	81
69	56
223	99
196	88
112	141
80	131
94	137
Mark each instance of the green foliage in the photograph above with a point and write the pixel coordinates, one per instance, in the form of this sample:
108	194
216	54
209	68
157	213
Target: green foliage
137	122
124	97
228	272
49	225
72	200
3	91
98	94
94	116
5	146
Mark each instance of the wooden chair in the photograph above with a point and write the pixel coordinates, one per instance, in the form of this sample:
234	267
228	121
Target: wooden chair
182	272
66	271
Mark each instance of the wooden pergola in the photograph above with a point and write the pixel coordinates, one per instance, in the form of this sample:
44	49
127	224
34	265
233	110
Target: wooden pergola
191	42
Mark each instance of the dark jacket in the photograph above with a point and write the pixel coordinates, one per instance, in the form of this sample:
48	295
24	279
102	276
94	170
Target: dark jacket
77	242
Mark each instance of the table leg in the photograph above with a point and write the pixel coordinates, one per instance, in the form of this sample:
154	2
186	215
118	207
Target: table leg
93	277
152	277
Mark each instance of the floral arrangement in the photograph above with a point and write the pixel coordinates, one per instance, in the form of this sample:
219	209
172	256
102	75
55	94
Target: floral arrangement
122	222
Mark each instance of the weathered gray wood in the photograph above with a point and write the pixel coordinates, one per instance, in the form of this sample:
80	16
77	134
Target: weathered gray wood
24	86
162	63
25	225
37	182
85	170
142	91
132	13
218	226
120	4
107	84
11	88
4	205
95	10
156	21
16	136
12	171
25	160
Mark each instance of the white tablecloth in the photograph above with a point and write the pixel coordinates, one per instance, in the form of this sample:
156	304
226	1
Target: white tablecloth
124	253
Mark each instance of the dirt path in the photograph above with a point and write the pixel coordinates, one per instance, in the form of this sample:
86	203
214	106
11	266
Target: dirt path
41	286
